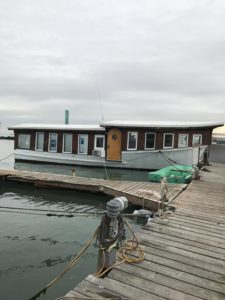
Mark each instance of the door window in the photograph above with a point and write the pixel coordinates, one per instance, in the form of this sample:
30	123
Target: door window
82	143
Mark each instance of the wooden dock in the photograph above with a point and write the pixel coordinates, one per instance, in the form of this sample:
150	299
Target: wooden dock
184	251
145	194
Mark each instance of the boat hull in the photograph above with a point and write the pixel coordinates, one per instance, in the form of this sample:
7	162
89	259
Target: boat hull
142	160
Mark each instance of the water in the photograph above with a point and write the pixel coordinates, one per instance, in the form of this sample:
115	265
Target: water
35	248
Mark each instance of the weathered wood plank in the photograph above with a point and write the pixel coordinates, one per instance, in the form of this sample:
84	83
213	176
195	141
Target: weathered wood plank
214	271
125	289
151	282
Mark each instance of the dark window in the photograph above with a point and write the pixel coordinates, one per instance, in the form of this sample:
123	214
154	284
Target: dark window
132	141
149	140
168	140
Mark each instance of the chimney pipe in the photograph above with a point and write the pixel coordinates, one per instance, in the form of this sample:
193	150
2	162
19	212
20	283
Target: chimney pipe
66	116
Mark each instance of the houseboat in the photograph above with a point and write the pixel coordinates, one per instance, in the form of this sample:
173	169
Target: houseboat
118	144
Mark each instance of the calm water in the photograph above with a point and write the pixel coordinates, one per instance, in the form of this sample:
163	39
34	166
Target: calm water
36	248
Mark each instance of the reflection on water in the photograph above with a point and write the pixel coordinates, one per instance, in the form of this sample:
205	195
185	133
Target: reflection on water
91	172
35	248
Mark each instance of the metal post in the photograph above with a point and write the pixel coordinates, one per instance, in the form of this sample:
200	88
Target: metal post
110	235
66	116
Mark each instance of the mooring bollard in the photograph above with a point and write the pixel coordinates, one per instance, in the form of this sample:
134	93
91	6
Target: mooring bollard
73	172
111	232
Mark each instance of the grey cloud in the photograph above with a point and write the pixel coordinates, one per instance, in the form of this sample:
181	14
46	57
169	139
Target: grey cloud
125	60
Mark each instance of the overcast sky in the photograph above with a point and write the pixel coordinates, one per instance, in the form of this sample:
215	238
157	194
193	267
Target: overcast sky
129	59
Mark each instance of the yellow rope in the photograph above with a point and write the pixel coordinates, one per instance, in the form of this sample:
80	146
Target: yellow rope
68	267
130	248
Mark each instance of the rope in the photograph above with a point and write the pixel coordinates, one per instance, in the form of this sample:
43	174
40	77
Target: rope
125	253
68	267
6	157
170	161
70	214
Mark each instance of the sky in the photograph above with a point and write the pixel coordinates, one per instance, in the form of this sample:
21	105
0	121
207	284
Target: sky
111	60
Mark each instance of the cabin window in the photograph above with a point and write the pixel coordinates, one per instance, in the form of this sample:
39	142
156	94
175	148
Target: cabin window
39	145
168	140
132	141
149	140
67	142
82	143
197	140
53	140
182	140
24	141
99	141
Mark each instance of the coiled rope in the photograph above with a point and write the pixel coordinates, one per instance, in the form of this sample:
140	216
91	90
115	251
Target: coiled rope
126	254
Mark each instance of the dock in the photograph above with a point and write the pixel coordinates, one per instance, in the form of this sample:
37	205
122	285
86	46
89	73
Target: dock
184	251
144	194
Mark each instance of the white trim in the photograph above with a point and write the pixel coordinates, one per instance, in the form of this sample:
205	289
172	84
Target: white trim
49	141
187	140
99	136
154	140
196	134
71	142
38	132
128	140
168	133
78	144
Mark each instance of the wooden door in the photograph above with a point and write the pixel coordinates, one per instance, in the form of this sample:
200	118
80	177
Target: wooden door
114	144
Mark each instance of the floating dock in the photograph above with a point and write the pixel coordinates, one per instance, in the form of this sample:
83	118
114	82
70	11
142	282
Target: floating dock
184	251
144	194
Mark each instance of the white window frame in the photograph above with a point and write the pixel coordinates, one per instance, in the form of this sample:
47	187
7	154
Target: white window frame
95	143
146	139
78	144
19	135
164	136
197	134
36	149
50	133
182	146
128	140
64	144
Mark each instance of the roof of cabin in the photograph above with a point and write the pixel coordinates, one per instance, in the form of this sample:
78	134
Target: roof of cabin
58	127
159	124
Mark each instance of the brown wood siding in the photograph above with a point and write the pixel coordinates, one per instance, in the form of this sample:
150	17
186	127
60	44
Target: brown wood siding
60	142
74	143
46	139
32	140
206	136
90	143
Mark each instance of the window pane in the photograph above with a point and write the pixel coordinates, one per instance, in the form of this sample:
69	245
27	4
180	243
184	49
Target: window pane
67	144
168	140
39	141
82	144
132	140
150	140
183	140
24	141
197	139
53	142
99	142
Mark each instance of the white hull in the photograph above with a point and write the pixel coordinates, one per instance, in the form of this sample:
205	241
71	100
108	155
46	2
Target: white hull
145	160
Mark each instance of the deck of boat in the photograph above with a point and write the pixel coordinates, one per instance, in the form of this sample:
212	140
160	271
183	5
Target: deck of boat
184	252
145	194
